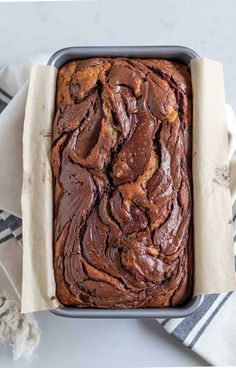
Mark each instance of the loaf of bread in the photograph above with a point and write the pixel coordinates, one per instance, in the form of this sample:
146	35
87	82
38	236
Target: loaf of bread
121	161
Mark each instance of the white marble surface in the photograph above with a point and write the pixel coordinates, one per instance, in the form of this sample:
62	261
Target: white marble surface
208	27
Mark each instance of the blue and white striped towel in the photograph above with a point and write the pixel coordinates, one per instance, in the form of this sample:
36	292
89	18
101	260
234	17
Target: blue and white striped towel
211	331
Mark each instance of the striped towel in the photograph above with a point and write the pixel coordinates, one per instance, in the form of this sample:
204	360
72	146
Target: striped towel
210	332
4	99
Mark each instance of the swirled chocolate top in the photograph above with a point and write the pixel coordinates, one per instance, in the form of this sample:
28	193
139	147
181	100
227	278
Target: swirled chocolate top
121	161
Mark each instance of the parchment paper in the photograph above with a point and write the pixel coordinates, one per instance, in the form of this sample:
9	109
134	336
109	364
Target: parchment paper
213	243
213	235
38	284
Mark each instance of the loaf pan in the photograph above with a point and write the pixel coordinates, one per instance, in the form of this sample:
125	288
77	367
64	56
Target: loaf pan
176	53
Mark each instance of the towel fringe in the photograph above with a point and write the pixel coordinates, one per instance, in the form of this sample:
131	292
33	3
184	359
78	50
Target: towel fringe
18	330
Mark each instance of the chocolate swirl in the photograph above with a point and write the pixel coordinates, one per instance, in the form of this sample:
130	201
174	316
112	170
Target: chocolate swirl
121	161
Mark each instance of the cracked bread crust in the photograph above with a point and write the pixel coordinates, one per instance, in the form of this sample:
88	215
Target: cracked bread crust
121	161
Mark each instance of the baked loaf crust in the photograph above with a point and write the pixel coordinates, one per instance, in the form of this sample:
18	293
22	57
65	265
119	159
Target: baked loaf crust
121	160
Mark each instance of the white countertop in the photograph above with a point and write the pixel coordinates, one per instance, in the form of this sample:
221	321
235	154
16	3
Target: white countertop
103	344
206	26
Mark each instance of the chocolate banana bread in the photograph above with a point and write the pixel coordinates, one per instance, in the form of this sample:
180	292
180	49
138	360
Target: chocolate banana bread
121	161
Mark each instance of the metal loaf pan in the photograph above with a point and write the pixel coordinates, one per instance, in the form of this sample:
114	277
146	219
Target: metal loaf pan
176	53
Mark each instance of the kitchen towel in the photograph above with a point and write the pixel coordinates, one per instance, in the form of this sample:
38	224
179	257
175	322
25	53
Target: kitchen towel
200	331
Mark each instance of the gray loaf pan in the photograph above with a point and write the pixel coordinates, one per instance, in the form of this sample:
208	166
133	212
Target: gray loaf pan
175	53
